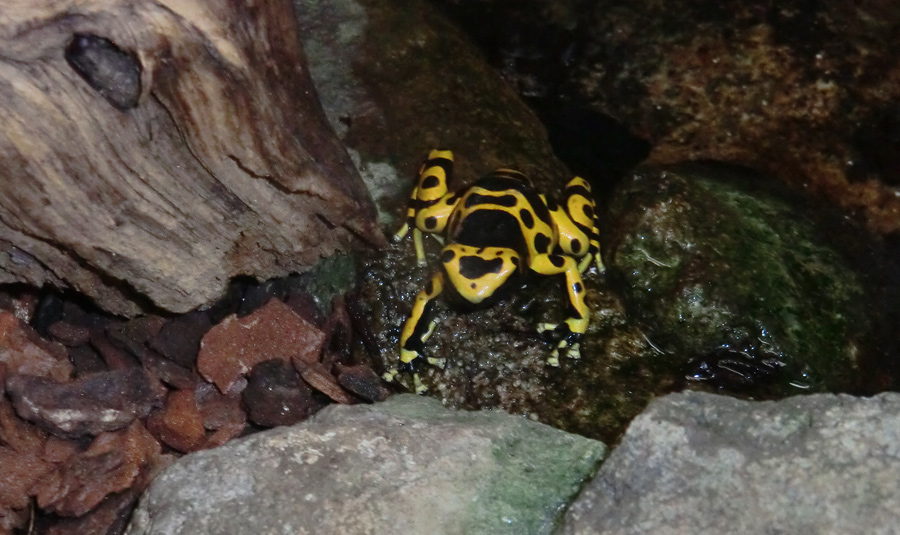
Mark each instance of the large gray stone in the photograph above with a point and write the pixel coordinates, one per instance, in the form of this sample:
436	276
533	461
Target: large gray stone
697	463
403	466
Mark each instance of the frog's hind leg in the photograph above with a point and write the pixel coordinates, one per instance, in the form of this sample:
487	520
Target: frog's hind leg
430	205
574	327
416	331
581	210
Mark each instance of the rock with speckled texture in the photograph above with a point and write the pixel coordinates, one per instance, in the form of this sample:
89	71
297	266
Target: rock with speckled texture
700	464
403	466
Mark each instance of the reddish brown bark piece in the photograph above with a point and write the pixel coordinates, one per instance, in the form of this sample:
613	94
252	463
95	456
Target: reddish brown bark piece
17	434
179	339
100	402
18	473
133	335
305	305
115	358
318	377
112	463
86	360
23	351
11	520
166	370
21	464
275	395
214	158
69	334
223	435
57	450
109	518
179	424
231	349
364	382
219	410
22	305
222	413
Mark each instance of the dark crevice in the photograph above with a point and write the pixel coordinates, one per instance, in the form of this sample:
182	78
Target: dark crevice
124	288
109	70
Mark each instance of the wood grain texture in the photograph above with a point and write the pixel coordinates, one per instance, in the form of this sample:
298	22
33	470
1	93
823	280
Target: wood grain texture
225	166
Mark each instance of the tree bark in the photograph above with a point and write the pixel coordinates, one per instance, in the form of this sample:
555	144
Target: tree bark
150	151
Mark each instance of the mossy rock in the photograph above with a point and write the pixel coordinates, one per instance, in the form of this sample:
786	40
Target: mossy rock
736	280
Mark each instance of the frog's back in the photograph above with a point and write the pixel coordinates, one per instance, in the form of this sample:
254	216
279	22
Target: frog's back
502	210
487	214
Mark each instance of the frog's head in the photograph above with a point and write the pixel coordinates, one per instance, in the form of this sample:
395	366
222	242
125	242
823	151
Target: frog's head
477	274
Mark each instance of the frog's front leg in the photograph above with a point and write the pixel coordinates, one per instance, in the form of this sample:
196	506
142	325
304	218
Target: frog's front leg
576	324
416	331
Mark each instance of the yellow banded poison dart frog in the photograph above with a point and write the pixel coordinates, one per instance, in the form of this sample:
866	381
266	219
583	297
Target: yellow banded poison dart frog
497	230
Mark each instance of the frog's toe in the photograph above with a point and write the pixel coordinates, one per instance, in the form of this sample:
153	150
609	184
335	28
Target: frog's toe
390	375
409	371
546	327
553	359
397	375
571	351
418	386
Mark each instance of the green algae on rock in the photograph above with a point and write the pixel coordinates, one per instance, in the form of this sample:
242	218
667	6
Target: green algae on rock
715	268
407	465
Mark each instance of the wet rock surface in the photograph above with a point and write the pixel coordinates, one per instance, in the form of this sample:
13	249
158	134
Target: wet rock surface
405	466
376	62
704	464
713	282
737	283
496	357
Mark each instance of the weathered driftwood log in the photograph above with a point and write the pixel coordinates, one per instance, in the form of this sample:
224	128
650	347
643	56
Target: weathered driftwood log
155	149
